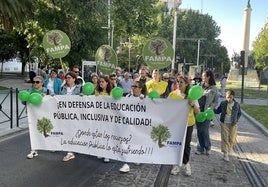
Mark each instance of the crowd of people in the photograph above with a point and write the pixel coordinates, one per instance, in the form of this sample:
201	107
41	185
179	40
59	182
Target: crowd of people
168	86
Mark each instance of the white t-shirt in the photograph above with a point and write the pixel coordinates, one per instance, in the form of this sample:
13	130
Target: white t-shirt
229	108
50	85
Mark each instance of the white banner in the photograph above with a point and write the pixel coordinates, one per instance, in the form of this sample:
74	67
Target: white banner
127	129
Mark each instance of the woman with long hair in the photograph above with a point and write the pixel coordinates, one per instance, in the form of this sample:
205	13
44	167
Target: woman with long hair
208	100
182	93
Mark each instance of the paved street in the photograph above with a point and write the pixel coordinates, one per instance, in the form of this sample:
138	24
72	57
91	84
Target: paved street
47	169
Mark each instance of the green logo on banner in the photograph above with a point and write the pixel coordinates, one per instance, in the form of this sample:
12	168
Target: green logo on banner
56	44
158	53
106	59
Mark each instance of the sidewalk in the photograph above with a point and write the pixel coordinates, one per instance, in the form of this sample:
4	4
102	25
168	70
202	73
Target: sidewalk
209	170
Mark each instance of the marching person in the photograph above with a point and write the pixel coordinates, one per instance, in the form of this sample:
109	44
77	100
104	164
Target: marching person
182	93
38	87
230	113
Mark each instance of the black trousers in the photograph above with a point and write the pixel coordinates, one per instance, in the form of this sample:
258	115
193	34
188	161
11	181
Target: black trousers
187	147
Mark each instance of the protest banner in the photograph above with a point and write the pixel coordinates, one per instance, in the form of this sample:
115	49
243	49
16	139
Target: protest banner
126	129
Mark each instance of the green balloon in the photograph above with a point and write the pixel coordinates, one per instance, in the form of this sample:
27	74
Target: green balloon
195	92
24	95
201	117
88	88
209	114
35	98
117	92
154	94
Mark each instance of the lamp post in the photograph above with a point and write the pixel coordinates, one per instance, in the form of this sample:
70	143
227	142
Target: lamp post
109	23
129	46
176	5
198	47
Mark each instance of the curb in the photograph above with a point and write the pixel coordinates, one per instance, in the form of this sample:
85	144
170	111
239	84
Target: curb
255	123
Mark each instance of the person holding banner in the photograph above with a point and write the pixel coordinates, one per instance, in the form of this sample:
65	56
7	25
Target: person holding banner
156	83
138	90
182	93
71	87
103	88
208	100
38	82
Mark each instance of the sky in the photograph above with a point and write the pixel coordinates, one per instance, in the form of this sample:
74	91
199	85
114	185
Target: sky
229	16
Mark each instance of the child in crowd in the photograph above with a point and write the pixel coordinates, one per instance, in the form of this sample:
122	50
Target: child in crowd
230	113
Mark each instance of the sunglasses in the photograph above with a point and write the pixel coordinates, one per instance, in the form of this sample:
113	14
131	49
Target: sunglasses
76	71
135	86
36	82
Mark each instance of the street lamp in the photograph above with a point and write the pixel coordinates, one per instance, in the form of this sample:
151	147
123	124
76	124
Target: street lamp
109	23
176	5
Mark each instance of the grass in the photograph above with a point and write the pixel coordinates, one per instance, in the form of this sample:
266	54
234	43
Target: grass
254	111
252	93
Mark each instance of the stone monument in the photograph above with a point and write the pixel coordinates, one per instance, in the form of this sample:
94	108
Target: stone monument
251	78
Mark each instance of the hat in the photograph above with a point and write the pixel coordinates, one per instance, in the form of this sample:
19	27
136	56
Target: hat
166	75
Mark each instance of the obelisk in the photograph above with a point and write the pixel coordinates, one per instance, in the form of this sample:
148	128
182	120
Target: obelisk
247	15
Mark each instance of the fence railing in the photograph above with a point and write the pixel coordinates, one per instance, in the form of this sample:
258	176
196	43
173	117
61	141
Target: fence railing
11	109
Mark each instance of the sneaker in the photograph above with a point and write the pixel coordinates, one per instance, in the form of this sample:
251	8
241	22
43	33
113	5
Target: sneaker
32	154
199	152
226	157
208	152
187	169
175	170
68	157
106	160
125	168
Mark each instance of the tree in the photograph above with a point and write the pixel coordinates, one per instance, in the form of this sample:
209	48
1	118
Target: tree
260	50
160	134
44	126
13	12
191	25
7	49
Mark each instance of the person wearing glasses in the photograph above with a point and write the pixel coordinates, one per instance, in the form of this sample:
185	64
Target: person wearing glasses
53	83
138	90
182	93
38	87
71	87
75	69
156	83
103	88
114	81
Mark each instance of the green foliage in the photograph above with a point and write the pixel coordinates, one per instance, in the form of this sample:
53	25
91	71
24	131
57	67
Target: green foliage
44	126
261	50
141	20
7	49
160	134
13	12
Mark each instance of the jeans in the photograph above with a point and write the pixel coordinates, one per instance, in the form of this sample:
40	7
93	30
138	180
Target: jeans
203	136
187	147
